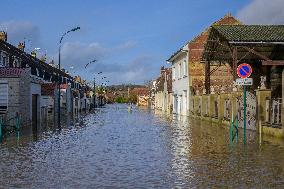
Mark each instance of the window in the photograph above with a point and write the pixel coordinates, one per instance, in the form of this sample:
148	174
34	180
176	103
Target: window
4	59
174	72
179	68
184	68
16	63
3	96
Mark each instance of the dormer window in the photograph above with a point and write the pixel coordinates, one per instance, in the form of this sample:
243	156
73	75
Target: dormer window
4	59
16	63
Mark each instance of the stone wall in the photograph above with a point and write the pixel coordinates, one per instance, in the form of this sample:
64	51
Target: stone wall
219	108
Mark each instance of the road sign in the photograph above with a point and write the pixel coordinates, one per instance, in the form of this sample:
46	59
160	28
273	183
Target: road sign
244	81
244	70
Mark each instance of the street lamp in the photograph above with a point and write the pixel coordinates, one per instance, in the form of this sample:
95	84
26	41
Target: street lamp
95	88
90	63
59	67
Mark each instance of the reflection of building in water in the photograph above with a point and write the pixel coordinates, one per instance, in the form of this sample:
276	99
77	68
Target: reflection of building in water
181	147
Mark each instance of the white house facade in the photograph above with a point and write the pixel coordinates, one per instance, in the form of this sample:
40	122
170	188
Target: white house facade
180	81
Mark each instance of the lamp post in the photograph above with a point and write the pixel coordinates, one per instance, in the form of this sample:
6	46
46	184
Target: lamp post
59	67
90	63
94	80
95	89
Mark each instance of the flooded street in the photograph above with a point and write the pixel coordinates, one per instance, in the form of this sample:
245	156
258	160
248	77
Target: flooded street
114	148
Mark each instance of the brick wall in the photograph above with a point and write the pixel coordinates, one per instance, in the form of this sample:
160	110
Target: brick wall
219	78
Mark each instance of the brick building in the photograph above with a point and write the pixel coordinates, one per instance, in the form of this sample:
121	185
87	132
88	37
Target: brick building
221	77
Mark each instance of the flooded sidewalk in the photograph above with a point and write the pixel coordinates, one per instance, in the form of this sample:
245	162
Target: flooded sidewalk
115	148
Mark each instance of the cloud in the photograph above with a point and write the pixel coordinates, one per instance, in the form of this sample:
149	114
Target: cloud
137	70
78	51
263	12
113	61
20	30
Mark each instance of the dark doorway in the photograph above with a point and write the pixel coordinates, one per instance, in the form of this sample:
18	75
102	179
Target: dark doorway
34	111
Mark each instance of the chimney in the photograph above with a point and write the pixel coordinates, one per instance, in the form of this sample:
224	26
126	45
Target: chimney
33	53
3	36
21	46
43	58
162	69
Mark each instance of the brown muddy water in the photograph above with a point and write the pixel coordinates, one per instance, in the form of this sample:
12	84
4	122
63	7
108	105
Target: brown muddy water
114	148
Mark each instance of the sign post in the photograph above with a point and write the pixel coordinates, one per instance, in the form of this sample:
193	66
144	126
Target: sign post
245	115
244	71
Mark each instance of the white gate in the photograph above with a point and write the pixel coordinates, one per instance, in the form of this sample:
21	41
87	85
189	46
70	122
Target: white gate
251	111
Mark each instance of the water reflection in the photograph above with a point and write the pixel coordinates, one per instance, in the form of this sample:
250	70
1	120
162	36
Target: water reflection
115	148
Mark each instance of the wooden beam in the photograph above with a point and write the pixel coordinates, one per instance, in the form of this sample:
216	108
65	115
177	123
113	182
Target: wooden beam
272	63
207	77
235	62
256	53
244	56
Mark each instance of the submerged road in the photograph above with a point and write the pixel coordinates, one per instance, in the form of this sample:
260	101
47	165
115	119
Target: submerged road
142	149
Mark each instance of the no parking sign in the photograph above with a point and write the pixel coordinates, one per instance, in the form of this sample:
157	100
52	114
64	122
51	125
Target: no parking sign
244	70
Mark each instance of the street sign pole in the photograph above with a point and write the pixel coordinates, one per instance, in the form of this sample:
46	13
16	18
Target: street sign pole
244	71
245	115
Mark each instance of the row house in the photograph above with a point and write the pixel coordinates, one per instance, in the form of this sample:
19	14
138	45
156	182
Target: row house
25	83
162	91
180	81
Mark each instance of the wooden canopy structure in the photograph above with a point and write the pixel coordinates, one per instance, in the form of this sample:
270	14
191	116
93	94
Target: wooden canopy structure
260	45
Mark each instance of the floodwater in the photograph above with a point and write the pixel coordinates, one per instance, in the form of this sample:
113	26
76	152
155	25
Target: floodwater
114	148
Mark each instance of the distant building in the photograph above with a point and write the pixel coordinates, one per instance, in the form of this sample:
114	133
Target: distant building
142	95
162	91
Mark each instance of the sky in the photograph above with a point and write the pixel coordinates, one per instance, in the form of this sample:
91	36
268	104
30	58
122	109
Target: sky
130	39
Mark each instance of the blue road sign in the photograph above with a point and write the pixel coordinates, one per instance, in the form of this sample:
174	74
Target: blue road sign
244	70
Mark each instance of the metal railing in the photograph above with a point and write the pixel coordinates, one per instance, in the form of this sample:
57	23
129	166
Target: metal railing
234	129
9	125
273	112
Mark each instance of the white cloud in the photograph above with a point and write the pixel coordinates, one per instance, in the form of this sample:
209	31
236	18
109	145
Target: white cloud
136	70
20	30
109	61
263	12
78	54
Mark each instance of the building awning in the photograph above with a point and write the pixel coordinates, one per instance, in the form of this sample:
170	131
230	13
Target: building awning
267	40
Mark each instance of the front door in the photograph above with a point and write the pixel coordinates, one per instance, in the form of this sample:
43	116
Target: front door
34	111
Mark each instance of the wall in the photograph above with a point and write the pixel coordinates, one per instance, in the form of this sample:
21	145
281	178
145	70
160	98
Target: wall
159	100
19	97
204	107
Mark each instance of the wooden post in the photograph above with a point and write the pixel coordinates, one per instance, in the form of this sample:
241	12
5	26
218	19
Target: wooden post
207	77
235	64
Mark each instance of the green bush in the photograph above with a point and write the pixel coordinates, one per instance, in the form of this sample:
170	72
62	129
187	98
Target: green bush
120	99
